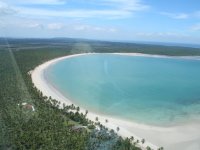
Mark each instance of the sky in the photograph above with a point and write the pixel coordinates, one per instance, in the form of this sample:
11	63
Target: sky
122	20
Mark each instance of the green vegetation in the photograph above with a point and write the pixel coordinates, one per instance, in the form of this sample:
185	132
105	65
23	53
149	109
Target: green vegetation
84	46
47	127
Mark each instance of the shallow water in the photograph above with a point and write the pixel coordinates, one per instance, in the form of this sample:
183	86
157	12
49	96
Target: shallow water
158	91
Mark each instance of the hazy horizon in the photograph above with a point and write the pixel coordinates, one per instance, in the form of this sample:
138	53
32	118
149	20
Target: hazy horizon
179	44
111	20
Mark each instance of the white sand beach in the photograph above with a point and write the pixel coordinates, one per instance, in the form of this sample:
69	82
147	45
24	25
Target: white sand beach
180	137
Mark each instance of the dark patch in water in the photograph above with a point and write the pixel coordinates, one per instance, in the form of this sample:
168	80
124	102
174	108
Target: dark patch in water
187	102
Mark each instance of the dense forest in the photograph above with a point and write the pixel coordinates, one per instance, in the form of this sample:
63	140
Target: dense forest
48	126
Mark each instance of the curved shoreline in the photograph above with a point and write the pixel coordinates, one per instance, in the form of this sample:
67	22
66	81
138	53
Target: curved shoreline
171	138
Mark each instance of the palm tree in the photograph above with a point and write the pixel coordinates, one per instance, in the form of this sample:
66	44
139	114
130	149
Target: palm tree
148	148
64	106
72	106
161	148
137	141
86	112
96	118
77	109
143	140
132	138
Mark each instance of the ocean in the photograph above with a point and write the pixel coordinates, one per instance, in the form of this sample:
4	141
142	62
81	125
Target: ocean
149	90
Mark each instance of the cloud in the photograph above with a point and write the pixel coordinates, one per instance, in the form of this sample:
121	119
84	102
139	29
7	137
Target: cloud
73	13
5	9
33	25
196	27
37	2
94	28
128	5
13	22
55	26
113	30
161	34
192	15
106	9
176	15
197	14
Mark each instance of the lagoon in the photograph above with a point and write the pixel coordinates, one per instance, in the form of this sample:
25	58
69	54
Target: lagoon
143	89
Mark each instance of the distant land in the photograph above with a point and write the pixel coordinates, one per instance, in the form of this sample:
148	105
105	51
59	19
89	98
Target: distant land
192	45
26	110
101	46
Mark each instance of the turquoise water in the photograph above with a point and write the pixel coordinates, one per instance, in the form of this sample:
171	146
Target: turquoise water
158	91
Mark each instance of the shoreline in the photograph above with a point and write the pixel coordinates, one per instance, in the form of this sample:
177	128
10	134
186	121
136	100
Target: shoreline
171	138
